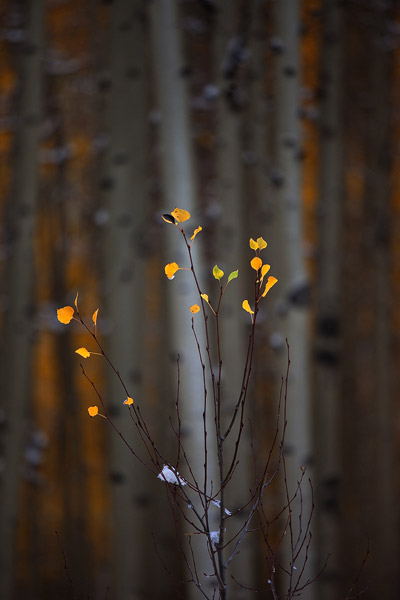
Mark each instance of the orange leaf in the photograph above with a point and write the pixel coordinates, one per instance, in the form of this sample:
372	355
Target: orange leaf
270	282
93	411
256	263
195	232
264	271
171	269
83	352
64	315
76	300
94	318
128	401
180	214
246	306
195	308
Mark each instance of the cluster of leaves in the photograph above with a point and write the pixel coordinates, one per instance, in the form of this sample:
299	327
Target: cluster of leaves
179	216
67	314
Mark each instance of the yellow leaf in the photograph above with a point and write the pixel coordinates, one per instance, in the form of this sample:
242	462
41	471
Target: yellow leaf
64	315
76	301
180	214
196	231
128	401
256	263
171	269
83	352
246	306
168	219
264	270
94	318
195	308
205	297
217	272
93	411
270	282
261	243
253	244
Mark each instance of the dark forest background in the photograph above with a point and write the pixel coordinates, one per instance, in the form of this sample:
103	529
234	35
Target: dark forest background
264	118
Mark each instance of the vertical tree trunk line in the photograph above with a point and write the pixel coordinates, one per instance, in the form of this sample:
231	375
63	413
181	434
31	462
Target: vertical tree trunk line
231	247
177	170
291	296
124	190
378	199
327	318
18	332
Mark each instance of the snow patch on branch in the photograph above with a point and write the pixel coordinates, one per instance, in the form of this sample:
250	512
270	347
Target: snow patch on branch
170	475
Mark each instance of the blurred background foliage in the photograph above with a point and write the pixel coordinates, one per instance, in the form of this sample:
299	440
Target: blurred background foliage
262	118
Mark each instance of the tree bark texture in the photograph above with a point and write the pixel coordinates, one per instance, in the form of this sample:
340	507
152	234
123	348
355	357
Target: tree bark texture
179	188
292	291
232	245
18	331
124	190
327	334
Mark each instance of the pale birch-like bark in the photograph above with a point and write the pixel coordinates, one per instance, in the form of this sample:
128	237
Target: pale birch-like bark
327	342
232	247
291	293
179	189
125	196
17	336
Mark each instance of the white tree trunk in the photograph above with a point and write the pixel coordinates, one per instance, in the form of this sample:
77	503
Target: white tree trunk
125	195
291	293
231	247
180	190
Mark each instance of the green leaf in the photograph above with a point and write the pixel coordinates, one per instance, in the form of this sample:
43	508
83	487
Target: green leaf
217	272
233	275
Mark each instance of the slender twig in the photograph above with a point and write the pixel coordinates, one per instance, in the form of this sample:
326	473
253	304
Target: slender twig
349	596
67	574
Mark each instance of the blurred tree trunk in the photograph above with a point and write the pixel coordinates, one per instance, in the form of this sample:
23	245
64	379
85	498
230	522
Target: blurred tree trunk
291	295
124	186
179	189
367	421
352	299
379	144
327	335
18	331
71	456
232	250
257	190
